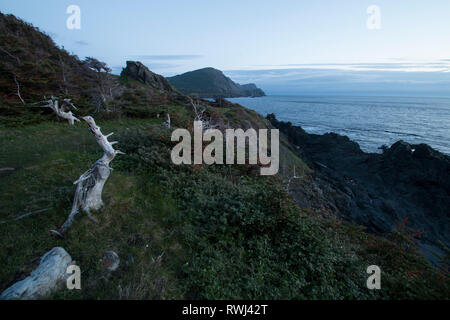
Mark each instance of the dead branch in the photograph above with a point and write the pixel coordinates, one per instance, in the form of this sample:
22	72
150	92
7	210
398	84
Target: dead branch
18	89
9	54
199	115
289	180
54	105
167	122
25	215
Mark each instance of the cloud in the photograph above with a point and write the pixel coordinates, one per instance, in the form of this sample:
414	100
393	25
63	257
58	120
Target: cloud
167	57
442	65
333	79
82	43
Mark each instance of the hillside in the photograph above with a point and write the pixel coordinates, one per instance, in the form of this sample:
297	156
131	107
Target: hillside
180	231
33	67
211	83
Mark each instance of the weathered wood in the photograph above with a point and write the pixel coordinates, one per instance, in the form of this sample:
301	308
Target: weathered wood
49	276
88	195
54	105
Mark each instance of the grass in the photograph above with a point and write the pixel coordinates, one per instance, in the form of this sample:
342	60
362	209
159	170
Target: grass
46	159
215	232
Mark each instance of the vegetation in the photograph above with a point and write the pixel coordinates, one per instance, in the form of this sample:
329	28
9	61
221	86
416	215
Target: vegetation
215	232
211	232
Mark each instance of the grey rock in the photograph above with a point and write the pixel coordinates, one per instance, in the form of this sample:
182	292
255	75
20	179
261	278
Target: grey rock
111	261
138	71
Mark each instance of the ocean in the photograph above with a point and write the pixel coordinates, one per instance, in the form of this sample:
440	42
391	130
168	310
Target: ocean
370	121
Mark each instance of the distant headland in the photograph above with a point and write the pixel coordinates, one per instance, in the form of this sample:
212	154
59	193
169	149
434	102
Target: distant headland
212	83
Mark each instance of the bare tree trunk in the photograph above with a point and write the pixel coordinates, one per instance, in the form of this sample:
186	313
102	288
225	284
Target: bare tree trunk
88	195
18	89
63	73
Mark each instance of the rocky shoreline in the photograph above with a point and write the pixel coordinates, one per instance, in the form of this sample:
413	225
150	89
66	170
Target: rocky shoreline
406	185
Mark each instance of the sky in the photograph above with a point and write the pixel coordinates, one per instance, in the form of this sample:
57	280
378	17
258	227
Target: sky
283	46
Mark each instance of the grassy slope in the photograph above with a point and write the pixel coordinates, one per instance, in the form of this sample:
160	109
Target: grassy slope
222	231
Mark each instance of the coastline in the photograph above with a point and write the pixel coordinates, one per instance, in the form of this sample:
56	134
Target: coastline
371	121
405	184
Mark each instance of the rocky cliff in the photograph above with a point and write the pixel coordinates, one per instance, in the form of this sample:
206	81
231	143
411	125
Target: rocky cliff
405	185
138	71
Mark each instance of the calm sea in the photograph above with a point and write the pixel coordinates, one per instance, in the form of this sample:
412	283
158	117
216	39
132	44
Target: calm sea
370	121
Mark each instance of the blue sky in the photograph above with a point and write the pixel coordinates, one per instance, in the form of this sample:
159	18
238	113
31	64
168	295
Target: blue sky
283	46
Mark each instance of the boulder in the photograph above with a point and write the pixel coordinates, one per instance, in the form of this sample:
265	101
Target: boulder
138	71
48	277
111	261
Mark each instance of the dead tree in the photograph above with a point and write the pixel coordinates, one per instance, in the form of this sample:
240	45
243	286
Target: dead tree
88	195
104	82
63	73
167	122
18	89
199	115
289	180
54	105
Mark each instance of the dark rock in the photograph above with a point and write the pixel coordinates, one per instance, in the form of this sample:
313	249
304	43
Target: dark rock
405	181
137	71
251	90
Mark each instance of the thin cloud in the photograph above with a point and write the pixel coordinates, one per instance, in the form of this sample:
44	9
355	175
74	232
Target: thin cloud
304	80
168	57
442	65
82	43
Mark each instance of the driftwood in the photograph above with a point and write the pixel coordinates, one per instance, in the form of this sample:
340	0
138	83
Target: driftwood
88	195
49	276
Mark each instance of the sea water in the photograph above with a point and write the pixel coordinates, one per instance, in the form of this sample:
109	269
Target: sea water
370	121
